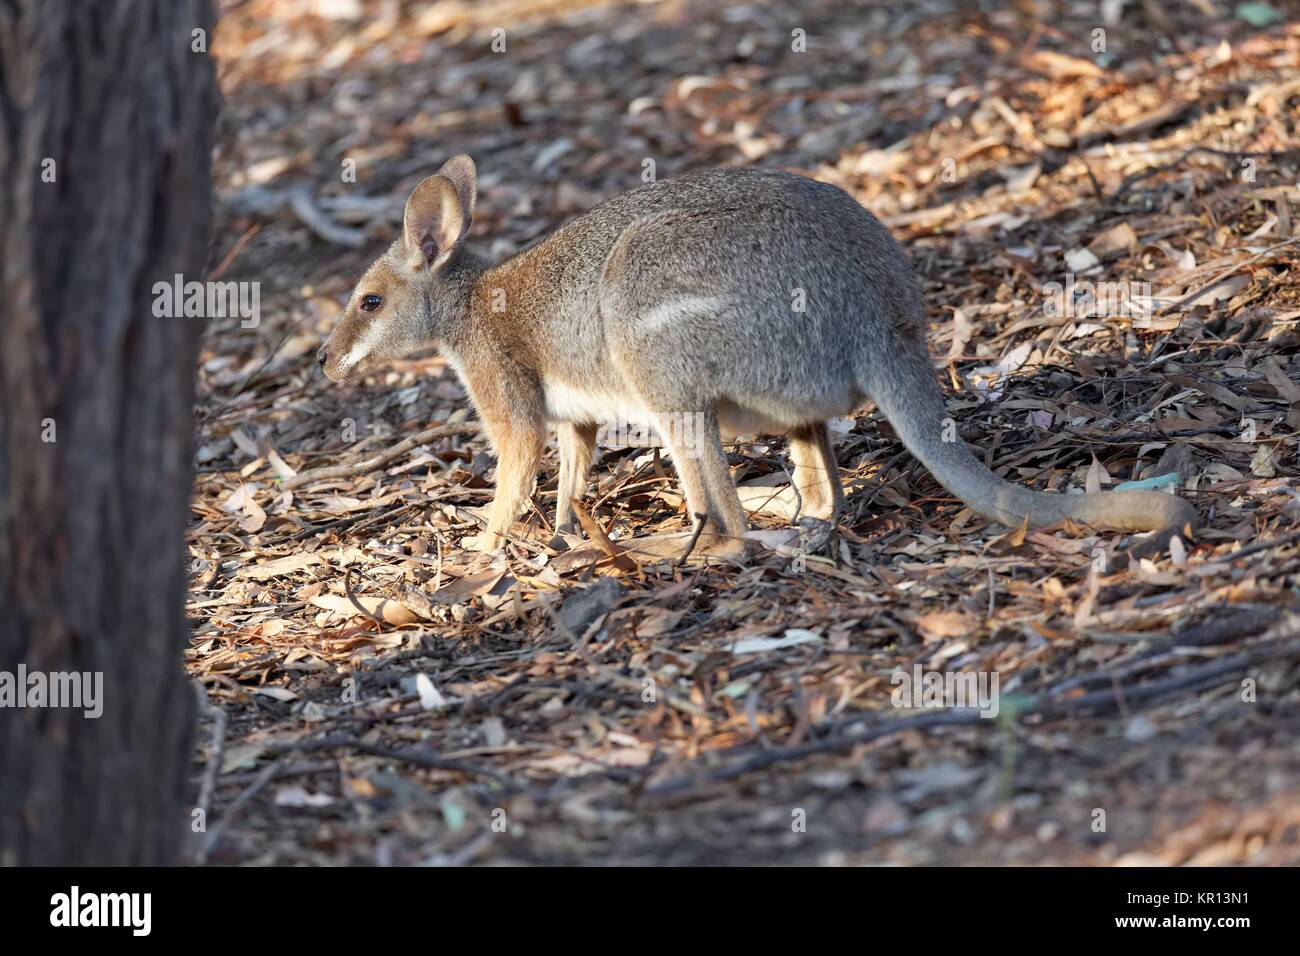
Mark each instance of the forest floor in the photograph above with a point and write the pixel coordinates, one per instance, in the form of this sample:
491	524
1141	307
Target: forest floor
378	694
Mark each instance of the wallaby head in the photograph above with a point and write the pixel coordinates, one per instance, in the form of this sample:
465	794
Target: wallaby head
411	293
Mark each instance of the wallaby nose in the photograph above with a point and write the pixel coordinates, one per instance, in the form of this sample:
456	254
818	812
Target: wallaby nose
322	356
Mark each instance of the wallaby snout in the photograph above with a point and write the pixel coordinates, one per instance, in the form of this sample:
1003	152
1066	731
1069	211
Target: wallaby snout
331	357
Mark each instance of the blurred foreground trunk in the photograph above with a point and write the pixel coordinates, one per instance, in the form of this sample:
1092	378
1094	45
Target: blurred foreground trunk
107	115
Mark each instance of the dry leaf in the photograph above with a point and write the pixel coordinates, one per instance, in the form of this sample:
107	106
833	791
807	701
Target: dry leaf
1118	240
386	609
941	625
277	567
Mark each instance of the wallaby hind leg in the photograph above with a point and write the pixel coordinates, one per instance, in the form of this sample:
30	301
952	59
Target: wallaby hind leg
577	445
686	464
831	471
816	474
704	448
706	478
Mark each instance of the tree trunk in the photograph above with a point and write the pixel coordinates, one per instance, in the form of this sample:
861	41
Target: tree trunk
96	398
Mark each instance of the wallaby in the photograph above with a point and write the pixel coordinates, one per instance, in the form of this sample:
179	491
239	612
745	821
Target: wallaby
716	303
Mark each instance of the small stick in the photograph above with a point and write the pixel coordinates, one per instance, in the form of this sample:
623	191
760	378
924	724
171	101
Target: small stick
597	534
249	233
213	770
378	461
269	773
700	521
347	589
1254	549
430	759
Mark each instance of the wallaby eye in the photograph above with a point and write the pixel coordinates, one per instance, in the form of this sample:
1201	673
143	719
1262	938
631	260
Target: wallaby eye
371	303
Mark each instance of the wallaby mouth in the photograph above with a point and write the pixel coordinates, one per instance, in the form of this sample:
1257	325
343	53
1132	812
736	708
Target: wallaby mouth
339	367
328	365
342	376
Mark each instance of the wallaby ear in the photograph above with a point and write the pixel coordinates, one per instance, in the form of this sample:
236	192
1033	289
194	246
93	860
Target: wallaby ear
460	170
434	222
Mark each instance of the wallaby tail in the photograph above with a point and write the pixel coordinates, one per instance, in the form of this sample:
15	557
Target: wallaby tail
910	398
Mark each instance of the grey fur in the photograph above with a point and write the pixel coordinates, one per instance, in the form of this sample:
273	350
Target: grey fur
679	297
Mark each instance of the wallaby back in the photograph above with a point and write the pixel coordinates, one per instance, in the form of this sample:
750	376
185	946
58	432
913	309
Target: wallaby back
785	301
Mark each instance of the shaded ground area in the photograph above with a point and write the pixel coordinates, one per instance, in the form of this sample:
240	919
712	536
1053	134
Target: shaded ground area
1106	217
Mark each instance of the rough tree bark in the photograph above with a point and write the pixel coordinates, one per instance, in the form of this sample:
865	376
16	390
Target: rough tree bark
92	567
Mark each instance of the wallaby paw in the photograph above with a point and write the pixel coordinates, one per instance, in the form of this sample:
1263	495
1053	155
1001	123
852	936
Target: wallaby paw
725	546
484	543
674	546
654	547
